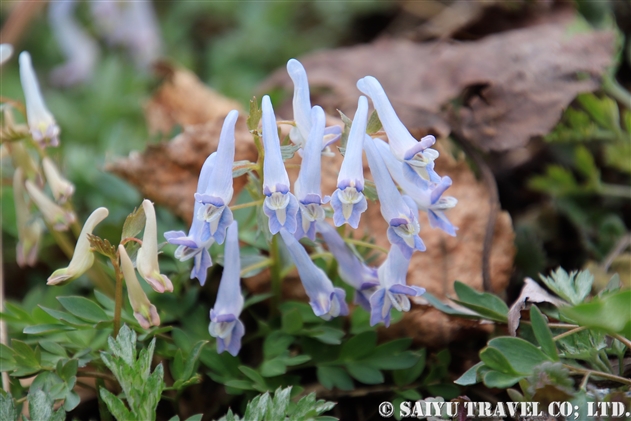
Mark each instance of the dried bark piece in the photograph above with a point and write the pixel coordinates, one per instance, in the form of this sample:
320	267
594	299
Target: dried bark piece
521	80
184	100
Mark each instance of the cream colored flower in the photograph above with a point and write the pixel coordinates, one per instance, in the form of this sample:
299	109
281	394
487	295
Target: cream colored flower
62	189
83	258
29	229
145	312
54	214
147	260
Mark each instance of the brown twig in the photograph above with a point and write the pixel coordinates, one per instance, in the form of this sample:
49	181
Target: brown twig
18	21
489	180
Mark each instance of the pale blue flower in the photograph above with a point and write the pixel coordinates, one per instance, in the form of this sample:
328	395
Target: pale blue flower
280	205
347	200
326	300
218	194
224	316
302	109
192	246
80	50
307	187
428	198
400	212
418	156
393	290
351	269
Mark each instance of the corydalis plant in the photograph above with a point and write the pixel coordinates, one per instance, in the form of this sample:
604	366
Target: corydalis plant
405	162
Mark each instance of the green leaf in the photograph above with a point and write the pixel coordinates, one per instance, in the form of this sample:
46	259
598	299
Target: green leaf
407	376
271	368
488	305
134	223
297	360
65	317
276	343
53	348
345	131
573	287
278	409
470	376
494	359
8	411
255	115
288	151
333	376
435	302
611	313
359	346
257	408
84	309
291	321
365	373
241	167
603	110
543	333
46	329
192	359
40	406
115	406
239	384
252	374
374	124
24	354
521	354
499	380
328	335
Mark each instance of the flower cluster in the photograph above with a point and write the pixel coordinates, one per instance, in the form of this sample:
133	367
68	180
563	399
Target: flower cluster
406	182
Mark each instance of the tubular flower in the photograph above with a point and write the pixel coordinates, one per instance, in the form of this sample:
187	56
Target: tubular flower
55	215
20	156
392	291
350	268
224	316
29	230
347	200
42	124
307	187
145	312
280	205
299	134
80	49
62	189
6	51
147	260
82	258
399	211
192	245
326	301
218	193
428	198
417	156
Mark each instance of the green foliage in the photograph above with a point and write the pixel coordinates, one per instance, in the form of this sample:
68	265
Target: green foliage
573	288
279	407
142	389
611	313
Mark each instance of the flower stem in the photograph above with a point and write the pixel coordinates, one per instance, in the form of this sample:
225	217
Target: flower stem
275	271
622	339
598	373
246	205
569	332
118	295
365	244
262	264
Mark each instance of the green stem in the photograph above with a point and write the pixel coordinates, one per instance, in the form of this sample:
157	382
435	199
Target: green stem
275	272
569	332
262	264
323	255
613	88
246	205
365	244
615	190
118	295
622	339
599	374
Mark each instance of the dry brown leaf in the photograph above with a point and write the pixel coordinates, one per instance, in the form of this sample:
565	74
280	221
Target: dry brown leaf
184	100
533	293
518	81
